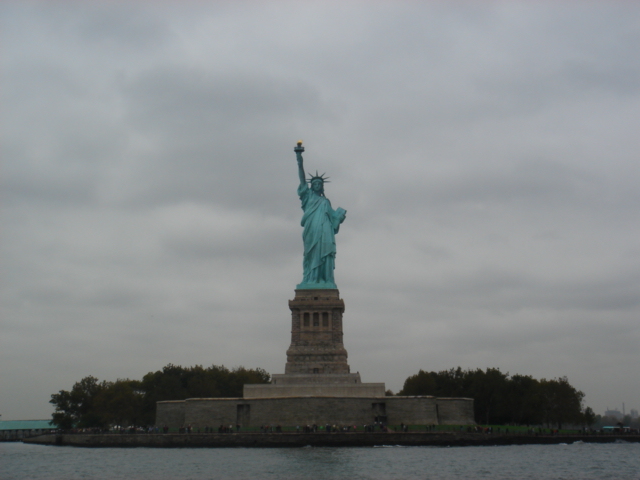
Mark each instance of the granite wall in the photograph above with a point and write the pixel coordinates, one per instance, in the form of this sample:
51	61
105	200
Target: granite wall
291	411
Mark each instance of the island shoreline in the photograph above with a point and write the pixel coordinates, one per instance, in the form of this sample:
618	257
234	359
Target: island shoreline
297	440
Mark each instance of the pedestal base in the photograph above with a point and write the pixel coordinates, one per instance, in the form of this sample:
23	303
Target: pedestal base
343	390
340	385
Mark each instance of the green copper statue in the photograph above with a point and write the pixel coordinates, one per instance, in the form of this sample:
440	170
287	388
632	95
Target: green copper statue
321	223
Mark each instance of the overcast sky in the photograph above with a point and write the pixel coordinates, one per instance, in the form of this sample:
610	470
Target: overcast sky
486	153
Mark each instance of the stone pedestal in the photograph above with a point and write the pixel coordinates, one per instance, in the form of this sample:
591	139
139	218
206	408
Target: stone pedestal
316	359
316	334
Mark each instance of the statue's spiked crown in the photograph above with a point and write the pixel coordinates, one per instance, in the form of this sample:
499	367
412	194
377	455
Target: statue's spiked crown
322	178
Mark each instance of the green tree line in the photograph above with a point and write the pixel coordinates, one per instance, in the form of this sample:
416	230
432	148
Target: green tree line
94	404
501	399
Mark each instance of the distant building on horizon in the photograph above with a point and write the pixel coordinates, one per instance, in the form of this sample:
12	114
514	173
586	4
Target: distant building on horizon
617	414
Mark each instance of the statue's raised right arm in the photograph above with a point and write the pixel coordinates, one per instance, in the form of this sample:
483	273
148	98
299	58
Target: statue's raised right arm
303	181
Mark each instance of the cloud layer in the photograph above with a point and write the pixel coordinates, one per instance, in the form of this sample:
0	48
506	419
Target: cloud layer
486	154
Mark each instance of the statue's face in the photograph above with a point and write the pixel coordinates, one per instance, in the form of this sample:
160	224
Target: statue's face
316	186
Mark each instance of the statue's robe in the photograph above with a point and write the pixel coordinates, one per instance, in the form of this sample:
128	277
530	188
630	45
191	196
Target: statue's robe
320	223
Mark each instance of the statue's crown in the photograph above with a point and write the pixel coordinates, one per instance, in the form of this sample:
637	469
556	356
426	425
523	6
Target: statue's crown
322	178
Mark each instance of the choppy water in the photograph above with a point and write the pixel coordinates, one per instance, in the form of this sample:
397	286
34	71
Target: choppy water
619	461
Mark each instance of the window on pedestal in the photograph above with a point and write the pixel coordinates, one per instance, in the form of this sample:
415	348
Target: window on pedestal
325	319
306	319
316	319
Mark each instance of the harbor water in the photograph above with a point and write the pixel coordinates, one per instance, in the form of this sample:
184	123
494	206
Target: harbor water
580	461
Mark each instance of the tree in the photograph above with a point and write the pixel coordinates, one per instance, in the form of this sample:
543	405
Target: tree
120	403
422	383
488	389
91	403
561	402
64	416
76	408
523	400
501	399
588	417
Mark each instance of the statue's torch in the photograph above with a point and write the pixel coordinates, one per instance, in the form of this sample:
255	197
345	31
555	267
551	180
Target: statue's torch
298	148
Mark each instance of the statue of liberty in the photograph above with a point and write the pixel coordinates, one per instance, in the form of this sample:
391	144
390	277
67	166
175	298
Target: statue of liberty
320	223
